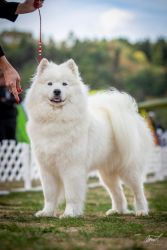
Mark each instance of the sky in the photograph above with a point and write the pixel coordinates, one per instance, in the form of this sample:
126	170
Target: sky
90	19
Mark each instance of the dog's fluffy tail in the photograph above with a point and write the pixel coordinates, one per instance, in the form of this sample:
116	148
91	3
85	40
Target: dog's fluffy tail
132	136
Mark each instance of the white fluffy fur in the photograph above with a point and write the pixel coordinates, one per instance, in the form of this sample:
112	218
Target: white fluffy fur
103	132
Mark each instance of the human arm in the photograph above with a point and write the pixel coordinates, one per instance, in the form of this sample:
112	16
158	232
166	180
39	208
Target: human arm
10	10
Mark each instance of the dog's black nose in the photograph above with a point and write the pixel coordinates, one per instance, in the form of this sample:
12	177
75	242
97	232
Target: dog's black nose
57	92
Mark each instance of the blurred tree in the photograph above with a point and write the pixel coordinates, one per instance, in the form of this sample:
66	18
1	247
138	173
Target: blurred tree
146	47
159	55
147	82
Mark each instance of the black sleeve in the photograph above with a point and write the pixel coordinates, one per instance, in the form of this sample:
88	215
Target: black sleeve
8	9
1	52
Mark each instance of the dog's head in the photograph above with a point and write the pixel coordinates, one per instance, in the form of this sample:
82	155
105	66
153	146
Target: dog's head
56	88
57	84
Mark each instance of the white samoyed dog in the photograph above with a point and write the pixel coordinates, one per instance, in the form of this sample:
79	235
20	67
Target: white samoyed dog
72	134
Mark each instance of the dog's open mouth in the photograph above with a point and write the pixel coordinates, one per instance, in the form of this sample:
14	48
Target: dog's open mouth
57	100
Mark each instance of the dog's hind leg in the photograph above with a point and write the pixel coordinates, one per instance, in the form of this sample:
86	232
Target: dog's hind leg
51	188
113	185
136	184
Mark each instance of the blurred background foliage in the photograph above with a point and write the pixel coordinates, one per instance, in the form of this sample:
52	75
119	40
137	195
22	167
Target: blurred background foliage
139	68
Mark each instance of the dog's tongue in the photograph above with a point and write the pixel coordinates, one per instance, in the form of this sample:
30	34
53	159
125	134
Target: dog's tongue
56	100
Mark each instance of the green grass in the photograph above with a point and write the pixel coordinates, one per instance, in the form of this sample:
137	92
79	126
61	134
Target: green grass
19	229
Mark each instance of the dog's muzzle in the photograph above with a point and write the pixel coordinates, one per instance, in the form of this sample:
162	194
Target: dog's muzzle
57	98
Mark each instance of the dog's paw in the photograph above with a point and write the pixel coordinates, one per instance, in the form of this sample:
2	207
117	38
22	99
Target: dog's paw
71	214
141	213
62	216
113	211
65	215
44	213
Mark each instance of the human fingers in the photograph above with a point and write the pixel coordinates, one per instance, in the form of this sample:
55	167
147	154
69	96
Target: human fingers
15	92
38	4
18	86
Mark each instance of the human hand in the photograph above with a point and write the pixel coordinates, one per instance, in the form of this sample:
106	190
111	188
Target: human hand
12	81
11	78
28	6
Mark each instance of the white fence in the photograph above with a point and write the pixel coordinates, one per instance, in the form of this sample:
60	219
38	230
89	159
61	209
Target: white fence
16	164
157	165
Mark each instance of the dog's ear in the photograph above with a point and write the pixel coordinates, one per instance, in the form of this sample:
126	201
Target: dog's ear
73	67
42	65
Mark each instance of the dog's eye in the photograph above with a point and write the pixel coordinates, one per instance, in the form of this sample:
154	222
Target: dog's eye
50	83
64	84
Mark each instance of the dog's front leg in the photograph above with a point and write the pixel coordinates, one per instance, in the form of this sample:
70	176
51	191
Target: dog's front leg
51	188
75	189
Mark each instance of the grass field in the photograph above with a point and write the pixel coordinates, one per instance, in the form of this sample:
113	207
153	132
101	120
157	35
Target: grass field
20	230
